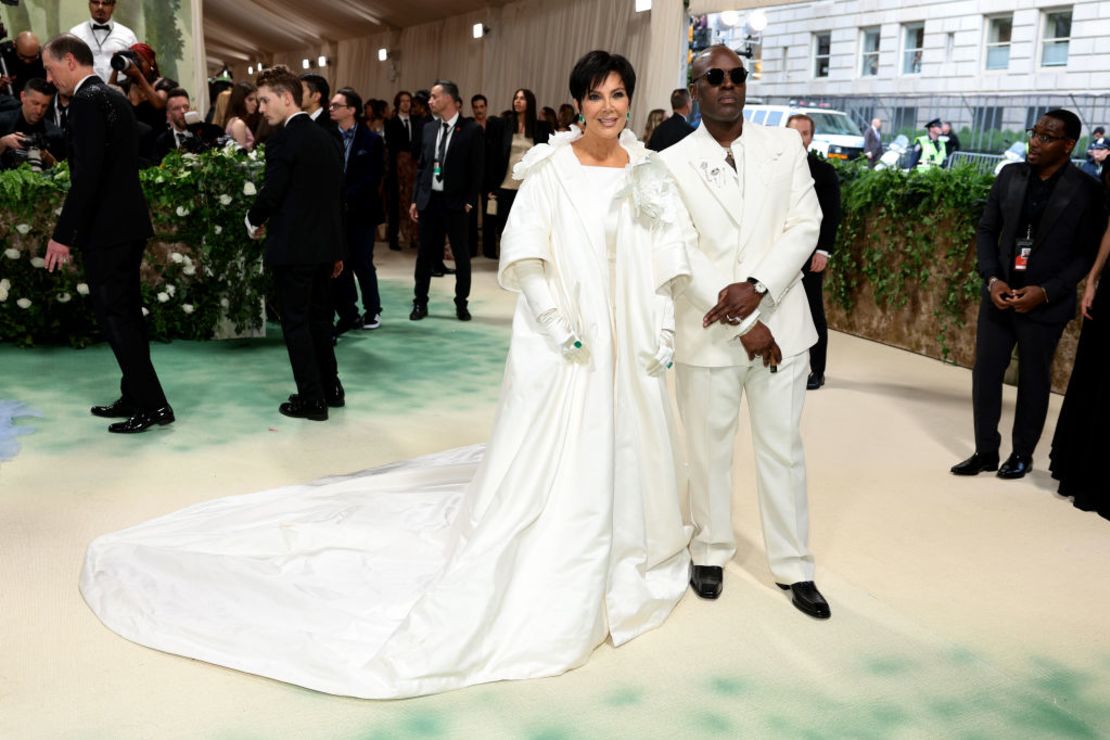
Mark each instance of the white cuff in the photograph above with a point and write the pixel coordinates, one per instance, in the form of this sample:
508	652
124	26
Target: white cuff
823	253
747	324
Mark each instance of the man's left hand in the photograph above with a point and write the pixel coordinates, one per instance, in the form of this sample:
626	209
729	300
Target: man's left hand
819	263
734	303
56	255
1024	300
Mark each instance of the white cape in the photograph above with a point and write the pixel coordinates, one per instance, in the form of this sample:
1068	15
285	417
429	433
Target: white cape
462	567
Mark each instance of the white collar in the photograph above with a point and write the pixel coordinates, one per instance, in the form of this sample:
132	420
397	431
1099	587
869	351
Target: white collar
298	113
452	122
84	79
403	116
313	115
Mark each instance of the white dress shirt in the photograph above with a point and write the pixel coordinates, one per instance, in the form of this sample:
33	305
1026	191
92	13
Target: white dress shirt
452	124
105	43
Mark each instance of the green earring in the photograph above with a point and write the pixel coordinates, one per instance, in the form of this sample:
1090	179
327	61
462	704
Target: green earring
581	118
628	116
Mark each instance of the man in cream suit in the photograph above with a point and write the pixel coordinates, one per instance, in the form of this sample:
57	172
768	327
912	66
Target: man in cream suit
744	326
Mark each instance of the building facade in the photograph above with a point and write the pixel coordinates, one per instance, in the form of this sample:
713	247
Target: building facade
991	67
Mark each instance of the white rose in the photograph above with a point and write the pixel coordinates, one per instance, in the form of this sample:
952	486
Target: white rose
249	188
146	311
64	297
163	297
253	156
23	229
182	211
219	230
11	253
188	260
3	295
187	308
83	288
23	303
225	303
190	270
188	156
58	211
38	262
5	284
172	290
177	257
225	200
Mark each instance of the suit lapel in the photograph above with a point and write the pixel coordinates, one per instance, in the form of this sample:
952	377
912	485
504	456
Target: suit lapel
709	165
1057	204
757	161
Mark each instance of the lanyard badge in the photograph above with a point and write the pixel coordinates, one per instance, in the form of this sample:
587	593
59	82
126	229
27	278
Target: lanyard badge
1022	249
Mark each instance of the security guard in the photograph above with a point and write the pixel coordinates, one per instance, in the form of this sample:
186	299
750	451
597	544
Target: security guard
929	150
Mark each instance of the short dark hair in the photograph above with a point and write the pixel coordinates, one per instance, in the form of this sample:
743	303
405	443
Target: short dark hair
353	99
67	43
680	98
1098	130
803	117
397	98
177	92
592	70
450	88
39	85
475	98
281	79
1072	126
317	84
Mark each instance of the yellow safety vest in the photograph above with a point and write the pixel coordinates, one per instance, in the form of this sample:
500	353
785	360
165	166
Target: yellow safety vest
932	152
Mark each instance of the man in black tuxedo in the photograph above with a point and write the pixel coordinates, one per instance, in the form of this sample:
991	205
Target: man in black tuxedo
302	199
676	128
1037	238
363	166
398	138
448	180
315	97
479	105
106	217
827	186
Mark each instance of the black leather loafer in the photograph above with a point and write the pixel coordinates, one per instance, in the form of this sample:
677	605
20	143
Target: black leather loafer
419	311
462	312
707	580
297	408
142	421
978	463
118	409
814	381
1016	466
336	397
807	599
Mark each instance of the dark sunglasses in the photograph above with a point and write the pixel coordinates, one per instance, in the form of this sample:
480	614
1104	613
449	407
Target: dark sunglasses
716	76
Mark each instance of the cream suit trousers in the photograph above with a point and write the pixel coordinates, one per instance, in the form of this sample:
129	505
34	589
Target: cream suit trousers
709	403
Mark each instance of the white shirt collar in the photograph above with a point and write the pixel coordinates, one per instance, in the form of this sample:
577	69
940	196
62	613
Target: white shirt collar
313	115
299	113
454	120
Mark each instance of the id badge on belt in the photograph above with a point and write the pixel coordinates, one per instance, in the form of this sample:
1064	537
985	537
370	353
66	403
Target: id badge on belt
1022	249
436	170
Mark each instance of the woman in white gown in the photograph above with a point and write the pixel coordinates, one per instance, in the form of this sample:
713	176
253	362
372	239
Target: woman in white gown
473	565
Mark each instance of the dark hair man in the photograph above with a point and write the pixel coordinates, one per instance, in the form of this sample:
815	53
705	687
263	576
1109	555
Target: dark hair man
27	131
301	206
315	98
492	127
1037	238
399	133
106	216
448	180
827	185
676	128
929	150
104	36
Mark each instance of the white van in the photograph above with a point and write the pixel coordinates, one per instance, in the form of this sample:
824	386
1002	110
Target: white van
836	136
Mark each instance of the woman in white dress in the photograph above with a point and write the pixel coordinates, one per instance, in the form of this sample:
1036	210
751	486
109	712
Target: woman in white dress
473	565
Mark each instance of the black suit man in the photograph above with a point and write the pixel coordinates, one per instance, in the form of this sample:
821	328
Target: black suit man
826	183
398	138
106	217
676	128
302	199
873	142
363	167
1037	238
448	180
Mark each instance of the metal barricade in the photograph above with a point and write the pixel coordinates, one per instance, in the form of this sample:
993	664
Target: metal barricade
983	163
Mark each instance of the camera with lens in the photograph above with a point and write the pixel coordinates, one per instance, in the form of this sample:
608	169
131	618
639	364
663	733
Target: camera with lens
121	60
34	145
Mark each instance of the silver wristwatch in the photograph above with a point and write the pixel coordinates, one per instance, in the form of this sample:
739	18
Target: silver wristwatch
760	288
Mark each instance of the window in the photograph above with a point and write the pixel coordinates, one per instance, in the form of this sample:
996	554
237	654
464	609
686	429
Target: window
986	118
869	53
1033	114
822	42
758	116
999	31
950	47
913	43
1057	33
903	118
773	118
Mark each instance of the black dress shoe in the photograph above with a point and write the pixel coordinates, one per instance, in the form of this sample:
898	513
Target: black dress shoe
1016	466
419	311
462	312
298	408
808	599
118	409
707	580
977	463
142	421
814	381
336	397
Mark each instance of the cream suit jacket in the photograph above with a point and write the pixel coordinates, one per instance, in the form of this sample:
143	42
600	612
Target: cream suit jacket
769	233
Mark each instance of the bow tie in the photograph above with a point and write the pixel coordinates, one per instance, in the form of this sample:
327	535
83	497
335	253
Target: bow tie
101	27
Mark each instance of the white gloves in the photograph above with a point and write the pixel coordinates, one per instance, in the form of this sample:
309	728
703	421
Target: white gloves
529	274
559	332
659	363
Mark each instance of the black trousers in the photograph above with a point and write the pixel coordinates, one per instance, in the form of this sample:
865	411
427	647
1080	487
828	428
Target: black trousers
998	332
113	275
306	309
438	222
360	265
818	353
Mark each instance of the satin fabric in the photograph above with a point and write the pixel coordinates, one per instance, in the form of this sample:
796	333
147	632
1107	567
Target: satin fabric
466	566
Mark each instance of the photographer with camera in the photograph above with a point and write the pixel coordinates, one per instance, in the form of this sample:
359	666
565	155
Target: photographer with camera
140	66
186	131
20	61
25	133
104	36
